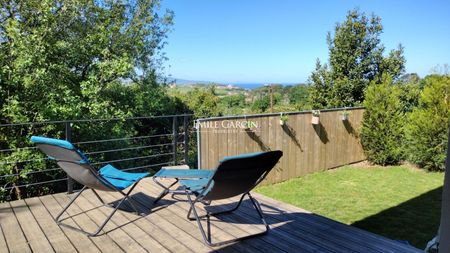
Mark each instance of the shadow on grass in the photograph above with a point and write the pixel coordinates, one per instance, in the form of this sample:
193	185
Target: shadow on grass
416	220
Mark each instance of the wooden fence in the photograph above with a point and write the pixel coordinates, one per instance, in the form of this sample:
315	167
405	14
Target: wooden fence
307	148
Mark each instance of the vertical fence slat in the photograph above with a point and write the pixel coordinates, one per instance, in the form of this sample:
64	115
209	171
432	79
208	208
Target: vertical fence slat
306	148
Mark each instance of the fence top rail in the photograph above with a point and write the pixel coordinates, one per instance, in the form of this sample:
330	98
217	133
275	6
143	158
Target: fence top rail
279	113
91	120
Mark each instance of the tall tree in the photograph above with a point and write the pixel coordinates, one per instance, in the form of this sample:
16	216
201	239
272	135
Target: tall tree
355	59
72	59
59	58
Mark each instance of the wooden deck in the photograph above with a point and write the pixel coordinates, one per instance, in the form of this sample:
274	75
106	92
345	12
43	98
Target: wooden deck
27	226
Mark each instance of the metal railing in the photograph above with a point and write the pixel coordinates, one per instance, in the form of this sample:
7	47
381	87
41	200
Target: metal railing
131	144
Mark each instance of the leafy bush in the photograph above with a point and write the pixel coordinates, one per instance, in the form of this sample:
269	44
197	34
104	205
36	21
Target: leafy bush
382	131
427	131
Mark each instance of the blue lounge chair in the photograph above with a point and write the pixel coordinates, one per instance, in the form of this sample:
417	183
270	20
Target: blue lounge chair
234	176
77	166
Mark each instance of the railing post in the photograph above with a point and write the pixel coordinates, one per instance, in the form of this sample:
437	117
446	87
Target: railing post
186	139
69	138
175	136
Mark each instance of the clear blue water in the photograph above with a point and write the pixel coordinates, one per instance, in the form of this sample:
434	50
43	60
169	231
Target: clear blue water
248	85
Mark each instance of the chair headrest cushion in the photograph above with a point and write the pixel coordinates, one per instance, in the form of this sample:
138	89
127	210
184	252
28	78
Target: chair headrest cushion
51	141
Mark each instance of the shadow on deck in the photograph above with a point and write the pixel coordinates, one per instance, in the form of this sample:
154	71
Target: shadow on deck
27	225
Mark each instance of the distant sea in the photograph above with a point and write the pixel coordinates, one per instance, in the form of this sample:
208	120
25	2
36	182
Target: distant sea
255	85
240	85
248	85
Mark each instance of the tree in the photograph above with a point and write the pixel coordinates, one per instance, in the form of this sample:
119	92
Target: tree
77	59
382	127
59	58
427	130
203	102
410	86
232	104
298	96
355	60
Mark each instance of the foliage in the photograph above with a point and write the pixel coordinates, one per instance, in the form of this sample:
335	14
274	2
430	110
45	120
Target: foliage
382	127
345	113
60	59
427	131
315	113
410	87
284	118
355	60
408	200
236	101
203	102
232	104
78	59
262	104
298	96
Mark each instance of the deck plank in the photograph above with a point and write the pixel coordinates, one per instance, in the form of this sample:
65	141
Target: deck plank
15	238
3	244
53	232
351	234
178	219
81	241
35	236
129	222
104	243
185	240
97	214
27	225
232	230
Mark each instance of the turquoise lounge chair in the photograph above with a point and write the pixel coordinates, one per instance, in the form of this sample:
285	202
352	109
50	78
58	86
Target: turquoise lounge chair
234	176
77	166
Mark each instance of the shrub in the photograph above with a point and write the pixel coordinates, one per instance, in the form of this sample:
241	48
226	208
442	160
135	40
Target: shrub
381	130
427	130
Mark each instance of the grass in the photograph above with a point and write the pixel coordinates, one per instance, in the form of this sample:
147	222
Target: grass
397	202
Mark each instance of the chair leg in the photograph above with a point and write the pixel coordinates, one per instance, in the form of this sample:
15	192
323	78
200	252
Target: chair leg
221	212
108	218
207	236
125	197
259	211
98	196
69	204
207	239
165	191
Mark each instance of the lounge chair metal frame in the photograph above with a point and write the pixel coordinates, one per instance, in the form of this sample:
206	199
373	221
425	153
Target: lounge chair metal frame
126	196
74	159
166	189
202	195
207	235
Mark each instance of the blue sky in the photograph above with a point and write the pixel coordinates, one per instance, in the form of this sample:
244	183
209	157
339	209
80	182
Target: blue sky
278	41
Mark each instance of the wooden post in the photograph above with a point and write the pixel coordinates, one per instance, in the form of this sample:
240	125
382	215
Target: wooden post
69	138
444	241
175	137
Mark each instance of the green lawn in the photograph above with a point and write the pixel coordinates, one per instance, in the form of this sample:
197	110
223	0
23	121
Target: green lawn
397	202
